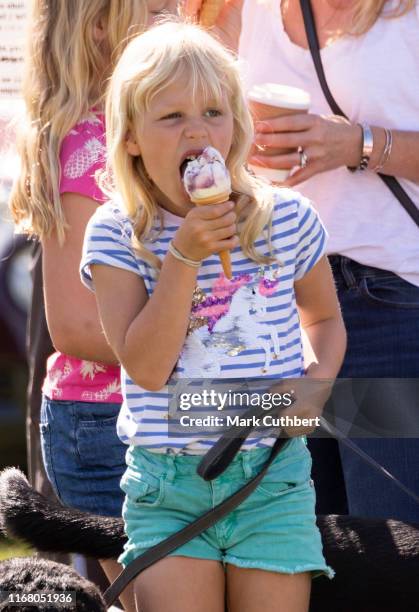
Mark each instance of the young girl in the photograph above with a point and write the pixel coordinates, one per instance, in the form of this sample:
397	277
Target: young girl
72	47
175	91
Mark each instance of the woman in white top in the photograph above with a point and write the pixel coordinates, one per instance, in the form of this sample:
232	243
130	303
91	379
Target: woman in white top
370	55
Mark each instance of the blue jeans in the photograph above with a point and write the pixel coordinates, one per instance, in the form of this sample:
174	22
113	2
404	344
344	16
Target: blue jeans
83	457
381	314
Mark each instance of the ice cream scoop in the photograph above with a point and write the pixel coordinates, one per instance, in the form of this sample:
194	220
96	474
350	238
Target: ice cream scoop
209	12
207	181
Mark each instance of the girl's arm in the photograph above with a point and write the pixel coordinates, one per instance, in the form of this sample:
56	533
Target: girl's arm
147	334
72	316
322	322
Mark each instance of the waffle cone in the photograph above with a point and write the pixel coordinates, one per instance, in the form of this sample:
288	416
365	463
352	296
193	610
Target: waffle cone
209	12
224	255
214	199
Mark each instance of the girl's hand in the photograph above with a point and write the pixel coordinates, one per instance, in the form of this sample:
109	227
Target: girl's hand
328	142
228	25
207	230
310	396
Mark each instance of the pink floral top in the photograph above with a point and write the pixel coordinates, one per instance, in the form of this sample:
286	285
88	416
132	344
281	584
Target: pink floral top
82	154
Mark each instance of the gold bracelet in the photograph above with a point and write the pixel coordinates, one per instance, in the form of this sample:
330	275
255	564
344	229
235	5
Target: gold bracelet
178	255
386	151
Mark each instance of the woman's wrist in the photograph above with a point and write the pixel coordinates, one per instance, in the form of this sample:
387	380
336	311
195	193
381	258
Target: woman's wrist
356	141
370	147
383	141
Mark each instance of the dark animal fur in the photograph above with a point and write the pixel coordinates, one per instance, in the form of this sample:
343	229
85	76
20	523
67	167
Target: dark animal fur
376	561
51	527
26	575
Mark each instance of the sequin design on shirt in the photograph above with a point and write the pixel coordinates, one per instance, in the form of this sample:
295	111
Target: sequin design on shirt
229	321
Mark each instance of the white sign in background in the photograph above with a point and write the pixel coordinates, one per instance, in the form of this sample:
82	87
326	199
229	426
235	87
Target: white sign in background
13	24
13	28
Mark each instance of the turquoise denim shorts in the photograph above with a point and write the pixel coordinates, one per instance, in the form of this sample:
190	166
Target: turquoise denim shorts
274	529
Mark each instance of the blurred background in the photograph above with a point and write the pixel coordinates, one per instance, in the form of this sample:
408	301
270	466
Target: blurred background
15	282
15	292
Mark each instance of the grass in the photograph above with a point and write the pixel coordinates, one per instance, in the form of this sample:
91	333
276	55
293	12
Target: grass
13	549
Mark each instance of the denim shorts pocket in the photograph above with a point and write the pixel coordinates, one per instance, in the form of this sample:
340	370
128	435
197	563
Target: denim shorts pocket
283	477
390	291
97	443
143	489
275	489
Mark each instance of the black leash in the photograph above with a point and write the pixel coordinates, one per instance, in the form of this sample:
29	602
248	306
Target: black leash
335	433
313	42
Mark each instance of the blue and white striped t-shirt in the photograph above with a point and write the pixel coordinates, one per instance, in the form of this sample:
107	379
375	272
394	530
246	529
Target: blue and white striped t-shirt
243	328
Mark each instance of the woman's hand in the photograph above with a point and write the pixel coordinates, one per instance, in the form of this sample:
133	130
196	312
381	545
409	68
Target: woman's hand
206	230
328	143
228	26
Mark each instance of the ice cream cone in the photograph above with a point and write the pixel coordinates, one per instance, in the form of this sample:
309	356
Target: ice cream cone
214	199
209	12
224	255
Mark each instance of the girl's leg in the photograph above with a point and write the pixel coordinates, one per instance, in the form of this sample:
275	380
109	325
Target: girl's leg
252	590
181	584
112	569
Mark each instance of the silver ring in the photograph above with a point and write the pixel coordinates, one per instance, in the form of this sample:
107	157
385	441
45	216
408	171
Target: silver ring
303	157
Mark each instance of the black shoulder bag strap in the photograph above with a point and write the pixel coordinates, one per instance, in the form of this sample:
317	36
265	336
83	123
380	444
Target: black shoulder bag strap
212	464
313	42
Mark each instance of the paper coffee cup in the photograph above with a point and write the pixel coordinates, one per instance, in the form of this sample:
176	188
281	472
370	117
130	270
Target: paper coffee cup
270	100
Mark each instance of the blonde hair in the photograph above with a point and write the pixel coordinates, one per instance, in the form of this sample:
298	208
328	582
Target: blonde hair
64	67
366	12
149	64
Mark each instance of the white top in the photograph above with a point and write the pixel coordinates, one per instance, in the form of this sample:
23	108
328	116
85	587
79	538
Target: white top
374	79
244	329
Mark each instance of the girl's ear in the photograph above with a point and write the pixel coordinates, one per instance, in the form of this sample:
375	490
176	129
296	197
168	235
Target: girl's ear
100	30
133	148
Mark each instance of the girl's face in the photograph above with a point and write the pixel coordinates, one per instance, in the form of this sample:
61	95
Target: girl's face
177	125
156	8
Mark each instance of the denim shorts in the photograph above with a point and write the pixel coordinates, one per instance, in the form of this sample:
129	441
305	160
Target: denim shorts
83	457
274	529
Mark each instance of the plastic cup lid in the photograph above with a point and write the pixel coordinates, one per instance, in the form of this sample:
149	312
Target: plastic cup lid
284	96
